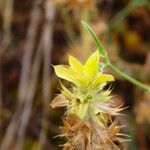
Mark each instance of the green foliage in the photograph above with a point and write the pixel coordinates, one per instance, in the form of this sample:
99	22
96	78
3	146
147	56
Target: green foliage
106	61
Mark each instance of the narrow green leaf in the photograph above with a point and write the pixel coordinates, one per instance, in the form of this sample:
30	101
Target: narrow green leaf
103	54
101	49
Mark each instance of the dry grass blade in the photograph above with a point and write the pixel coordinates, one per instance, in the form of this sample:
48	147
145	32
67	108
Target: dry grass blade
26	62
47	47
29	97
8	11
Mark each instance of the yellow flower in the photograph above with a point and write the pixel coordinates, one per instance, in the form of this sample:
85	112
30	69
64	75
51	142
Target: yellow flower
88	81
83	75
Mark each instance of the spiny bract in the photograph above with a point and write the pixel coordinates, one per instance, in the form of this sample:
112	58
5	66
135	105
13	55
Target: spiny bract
87	101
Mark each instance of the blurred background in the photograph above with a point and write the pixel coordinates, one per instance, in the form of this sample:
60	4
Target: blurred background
37	33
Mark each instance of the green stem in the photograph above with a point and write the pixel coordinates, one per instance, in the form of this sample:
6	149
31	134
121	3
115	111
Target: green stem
103	53
129	78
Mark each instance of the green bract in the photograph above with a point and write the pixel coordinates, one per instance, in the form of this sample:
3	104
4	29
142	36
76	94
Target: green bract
87	81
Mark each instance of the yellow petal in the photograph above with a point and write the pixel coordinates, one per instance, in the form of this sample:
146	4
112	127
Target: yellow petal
102	78
82	80
75	64
91	65
64	73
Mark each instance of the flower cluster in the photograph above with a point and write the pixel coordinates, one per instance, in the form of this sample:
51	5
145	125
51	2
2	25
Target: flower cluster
89	108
